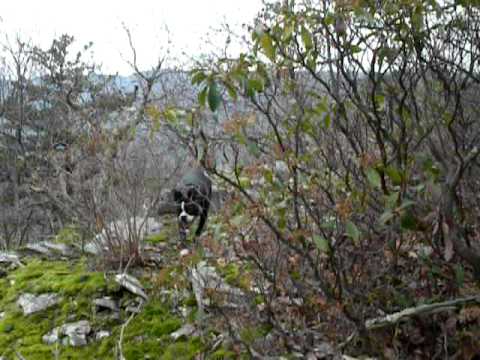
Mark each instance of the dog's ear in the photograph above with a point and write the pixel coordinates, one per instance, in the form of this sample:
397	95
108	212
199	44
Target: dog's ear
177	195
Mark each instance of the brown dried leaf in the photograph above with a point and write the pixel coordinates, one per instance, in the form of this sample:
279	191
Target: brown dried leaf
450	326
469	315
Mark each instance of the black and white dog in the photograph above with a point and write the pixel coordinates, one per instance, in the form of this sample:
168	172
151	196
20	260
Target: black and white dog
192	196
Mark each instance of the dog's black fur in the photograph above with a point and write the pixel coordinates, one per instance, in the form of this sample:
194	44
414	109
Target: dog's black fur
192	196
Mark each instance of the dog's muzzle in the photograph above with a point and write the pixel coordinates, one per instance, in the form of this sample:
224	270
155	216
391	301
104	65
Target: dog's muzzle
184	217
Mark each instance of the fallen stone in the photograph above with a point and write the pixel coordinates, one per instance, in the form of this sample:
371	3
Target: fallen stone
92	248
37	248
62	249
134	306
204	277
52	337
49	249
31	303
107	303
74	334
102	334
184	252
9	258
123	229
186	330
131	284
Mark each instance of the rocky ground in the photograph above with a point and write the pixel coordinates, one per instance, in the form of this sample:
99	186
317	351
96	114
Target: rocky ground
56	304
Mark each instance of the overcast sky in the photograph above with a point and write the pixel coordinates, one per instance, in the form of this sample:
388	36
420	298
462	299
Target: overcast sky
101	21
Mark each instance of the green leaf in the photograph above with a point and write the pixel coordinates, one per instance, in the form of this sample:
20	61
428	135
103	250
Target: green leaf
214	97
391	200
231	91
374	178
394	175
355	49
202	96
245	182
170	115
306	38
329	19
327	120
249	89
405	204
408	221
267	45
256	84
386	217
353	232
312	61
268	176
288	31
282	218
321	243
380	102
253	149
198	77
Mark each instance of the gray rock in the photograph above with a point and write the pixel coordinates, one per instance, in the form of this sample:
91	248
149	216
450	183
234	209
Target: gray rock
59	248
52	337
107	303
102	334
134	306
74	334
31	303
37	248
50	249
204	277
9	258
92	248
131	284
123	229
186	330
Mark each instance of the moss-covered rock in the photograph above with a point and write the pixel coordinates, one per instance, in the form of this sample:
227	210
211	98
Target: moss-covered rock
147	335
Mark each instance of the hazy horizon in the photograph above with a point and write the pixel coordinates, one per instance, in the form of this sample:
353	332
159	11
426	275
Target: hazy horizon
101	22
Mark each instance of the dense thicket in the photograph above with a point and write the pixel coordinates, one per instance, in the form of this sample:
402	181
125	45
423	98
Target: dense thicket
346	138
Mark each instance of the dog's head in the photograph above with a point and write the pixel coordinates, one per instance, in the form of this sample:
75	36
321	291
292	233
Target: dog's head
192	198
188	206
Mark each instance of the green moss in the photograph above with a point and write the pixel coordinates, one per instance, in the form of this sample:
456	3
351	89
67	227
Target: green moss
69	235
155	320
231	273
57	276
157	238
252	333
168	232
74	284
190	301
183	350
149	333
222	354
146	336
37	351
235	275
166	327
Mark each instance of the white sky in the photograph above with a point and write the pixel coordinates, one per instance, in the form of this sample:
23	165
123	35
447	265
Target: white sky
101	21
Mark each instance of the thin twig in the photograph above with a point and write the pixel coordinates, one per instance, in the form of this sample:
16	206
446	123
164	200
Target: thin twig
423	309
120	340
